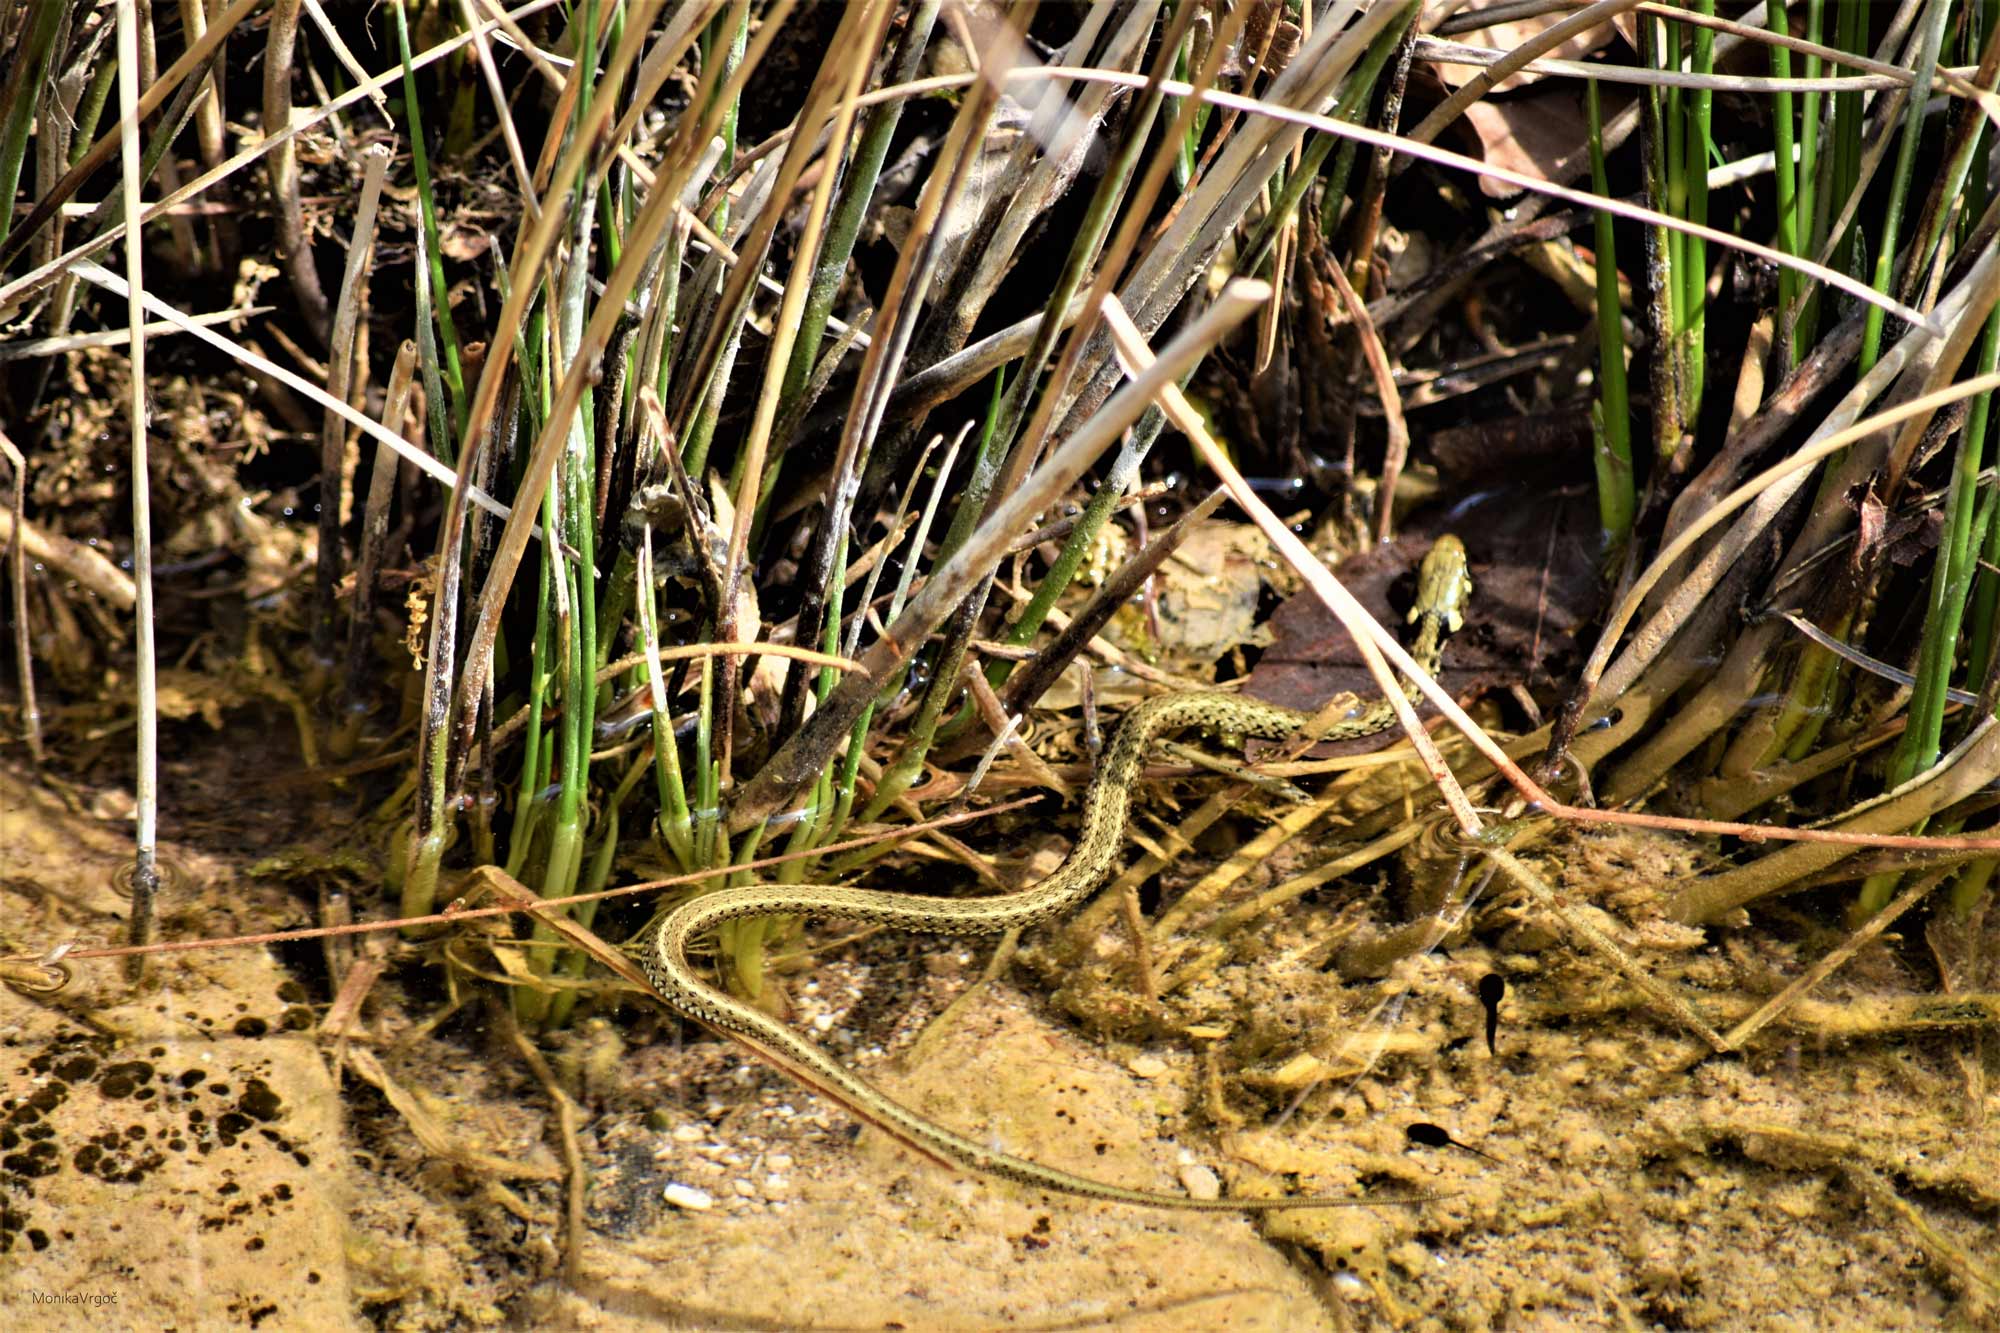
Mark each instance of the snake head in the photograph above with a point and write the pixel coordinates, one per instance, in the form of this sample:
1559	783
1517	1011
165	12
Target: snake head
1444	583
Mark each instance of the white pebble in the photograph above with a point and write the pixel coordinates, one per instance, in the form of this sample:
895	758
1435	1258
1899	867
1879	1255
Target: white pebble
779	1161
1200	1182
744	1189
1147	1066
776	1184
822	1022
688	1197
688	1133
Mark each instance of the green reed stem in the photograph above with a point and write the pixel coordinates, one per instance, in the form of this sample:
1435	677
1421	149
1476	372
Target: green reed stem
440	297
1697	149
1803	322
1899	183
1785	169
1611	424
31	59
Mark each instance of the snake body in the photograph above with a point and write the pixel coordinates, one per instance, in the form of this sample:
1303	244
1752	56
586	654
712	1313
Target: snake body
1443	586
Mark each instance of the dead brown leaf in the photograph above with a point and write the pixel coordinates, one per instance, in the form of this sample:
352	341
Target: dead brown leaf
1535	591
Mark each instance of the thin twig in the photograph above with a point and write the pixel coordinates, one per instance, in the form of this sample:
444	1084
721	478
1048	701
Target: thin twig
145	869
17	557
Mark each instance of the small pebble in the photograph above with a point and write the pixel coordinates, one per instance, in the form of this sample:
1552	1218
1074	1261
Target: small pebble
744	1189
1147	1066
776	1184
1200	1182
779	1161
690	1198
688	1133
822	1022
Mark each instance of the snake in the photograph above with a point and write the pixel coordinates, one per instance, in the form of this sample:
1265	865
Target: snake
1444	584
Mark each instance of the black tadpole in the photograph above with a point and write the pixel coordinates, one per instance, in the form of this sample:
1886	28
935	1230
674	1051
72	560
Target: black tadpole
1426	1135
1491	987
